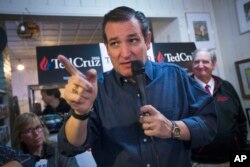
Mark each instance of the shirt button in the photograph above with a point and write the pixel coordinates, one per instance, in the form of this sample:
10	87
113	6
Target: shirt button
148	165
125	80
138	95
145	140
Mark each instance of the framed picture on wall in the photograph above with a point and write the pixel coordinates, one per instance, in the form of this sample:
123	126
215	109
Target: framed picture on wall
200	30
243	73
243	13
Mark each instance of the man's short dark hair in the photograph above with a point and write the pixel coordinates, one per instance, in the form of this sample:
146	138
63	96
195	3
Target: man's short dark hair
124	13
52	92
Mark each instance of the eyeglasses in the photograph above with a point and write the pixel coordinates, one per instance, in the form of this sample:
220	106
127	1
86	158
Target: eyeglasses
39	128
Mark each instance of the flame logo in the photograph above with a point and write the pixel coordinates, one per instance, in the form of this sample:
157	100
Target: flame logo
160	57
44	64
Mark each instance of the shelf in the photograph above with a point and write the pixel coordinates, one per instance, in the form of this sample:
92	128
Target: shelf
3	108
2	92
48	86
4	114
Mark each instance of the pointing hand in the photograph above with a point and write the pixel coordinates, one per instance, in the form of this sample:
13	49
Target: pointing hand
80	91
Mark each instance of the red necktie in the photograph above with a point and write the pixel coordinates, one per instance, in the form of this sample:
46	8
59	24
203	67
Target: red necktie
207	89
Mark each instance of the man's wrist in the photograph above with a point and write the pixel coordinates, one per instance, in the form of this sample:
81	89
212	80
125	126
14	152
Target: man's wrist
79	116
175	131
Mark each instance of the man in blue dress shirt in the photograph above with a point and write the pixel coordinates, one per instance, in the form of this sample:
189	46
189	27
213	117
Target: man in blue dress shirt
107	115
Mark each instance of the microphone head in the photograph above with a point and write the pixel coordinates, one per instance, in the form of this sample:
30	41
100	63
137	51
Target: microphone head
137	67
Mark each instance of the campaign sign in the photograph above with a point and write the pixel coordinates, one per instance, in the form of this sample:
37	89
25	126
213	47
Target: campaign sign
178	53
86	56
83	57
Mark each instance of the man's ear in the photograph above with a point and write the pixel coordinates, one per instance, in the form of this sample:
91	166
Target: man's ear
214	65
148	40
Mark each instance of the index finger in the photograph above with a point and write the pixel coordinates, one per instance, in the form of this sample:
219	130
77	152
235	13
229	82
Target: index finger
68	66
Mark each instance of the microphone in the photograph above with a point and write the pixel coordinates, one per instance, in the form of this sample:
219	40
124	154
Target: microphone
138	71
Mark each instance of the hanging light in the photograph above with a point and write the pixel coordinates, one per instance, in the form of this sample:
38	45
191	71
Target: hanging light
28	29
20	66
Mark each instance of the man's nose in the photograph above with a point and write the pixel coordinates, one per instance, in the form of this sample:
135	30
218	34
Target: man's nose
125	50
200	64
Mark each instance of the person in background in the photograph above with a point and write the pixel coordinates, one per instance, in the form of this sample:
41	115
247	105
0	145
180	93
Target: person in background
29	135
112	121
232	128
38	108
13	158
55	104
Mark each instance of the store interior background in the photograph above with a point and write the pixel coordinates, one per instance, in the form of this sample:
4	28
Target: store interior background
68	22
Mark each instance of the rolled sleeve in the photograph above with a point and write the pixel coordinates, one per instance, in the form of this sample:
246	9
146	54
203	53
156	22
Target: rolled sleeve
65	148
203	125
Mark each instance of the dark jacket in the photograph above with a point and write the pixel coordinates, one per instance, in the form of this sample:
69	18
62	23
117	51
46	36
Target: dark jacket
7	154
55	159
232	127
62	108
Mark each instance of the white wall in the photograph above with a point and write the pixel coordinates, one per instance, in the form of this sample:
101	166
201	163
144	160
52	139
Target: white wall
20	80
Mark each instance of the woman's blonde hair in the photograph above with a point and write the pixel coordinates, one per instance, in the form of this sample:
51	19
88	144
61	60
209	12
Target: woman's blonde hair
20	125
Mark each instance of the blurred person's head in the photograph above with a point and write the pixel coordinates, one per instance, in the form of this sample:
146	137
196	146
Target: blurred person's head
50	95
204	62
37	108
127	37
29	132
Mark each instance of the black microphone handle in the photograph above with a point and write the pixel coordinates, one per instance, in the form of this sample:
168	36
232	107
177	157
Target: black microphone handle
140	81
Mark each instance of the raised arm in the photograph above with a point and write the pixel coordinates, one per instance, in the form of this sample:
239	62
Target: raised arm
80	93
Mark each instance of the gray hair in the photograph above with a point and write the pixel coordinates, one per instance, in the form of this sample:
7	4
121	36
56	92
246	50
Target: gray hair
211	53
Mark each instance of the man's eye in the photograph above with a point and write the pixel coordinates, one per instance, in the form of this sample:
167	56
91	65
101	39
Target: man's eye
196	62
114	44
133	40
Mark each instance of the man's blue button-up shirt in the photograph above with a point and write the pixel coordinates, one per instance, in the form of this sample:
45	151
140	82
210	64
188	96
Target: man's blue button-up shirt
115	134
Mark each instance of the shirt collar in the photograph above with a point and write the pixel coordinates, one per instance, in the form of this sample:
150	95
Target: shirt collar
203	84
149	69
48	150
148	73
